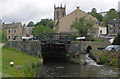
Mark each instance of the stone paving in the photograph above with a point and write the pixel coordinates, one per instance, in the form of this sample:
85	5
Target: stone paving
1	45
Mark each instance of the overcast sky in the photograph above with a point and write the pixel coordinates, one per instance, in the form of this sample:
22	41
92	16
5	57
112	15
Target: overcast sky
34	10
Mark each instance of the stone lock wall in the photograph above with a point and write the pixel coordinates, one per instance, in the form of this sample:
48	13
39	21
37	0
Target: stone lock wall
73	49
28	47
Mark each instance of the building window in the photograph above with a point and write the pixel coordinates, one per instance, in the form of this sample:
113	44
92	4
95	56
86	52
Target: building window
95	22
114	31
14	31
32	28
111	31
8	31
100	31
8	37
114	25
111	25
13	37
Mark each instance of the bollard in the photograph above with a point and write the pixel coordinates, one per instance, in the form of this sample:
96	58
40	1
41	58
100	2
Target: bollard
11	63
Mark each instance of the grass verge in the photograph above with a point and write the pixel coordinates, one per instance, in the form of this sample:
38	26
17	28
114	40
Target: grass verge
23	64
0	63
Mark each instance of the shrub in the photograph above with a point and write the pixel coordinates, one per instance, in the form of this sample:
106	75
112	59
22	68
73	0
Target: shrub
3	36
114	62
104	59
117	40
29	71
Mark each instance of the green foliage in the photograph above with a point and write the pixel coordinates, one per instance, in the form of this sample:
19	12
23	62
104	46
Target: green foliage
96	39
95	14
67	55
83	26
45	22
106	57
3	35
29	71
30	24
114	62
117	40
43	29
112	14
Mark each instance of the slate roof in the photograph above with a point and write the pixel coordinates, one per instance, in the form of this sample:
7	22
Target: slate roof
12	25
114	21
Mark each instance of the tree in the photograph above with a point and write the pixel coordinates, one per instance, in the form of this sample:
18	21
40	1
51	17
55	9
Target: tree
95	14
24	25
94	10
119	14
3	35
45	22
117	40
42	29
30	24
83	26
112	14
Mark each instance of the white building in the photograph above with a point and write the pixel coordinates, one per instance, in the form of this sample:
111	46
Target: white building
102	30
119	6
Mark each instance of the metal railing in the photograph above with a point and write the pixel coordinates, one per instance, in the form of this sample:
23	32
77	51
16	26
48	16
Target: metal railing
52	37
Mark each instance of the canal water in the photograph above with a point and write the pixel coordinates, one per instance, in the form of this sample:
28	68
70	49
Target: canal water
57	68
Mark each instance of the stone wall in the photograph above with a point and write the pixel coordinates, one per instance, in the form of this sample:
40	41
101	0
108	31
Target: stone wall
73	49
28	47
77	48
82	46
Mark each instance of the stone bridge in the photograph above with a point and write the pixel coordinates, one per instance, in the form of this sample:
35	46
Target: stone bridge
37	49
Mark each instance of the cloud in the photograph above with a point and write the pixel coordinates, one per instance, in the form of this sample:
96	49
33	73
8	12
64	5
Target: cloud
34	10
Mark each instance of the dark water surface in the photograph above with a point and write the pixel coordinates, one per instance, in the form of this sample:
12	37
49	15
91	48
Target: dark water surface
57	68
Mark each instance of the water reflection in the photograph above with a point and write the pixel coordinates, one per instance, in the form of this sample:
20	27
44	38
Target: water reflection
66	69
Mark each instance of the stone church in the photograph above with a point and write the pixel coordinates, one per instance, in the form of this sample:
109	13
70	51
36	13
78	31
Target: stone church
62	22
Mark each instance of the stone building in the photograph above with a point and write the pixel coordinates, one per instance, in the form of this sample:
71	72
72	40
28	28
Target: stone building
62	22
13	31
114	27
27	31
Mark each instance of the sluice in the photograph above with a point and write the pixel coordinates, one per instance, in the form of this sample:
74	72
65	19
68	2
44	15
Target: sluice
53	52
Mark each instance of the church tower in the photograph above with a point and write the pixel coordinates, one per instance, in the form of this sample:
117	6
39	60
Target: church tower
59	12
